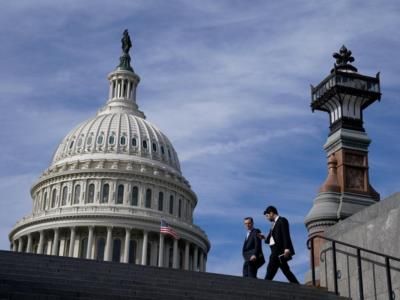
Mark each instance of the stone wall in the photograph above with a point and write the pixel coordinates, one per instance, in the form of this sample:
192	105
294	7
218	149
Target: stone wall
376	228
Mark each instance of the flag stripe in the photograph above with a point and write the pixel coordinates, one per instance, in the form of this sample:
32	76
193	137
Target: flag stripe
166	229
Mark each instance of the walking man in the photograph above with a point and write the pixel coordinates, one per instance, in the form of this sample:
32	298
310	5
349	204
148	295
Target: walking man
281	245
252	250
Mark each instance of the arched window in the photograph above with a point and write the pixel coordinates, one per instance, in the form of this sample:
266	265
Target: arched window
44	203
111	140
145	144
116	254
120	194
134	142
77	194
154	147
89	140
135	196
90	198
71	145
79	142
53	198
160	201
123	140
180	208
106	192
171	204
148	198
162	150
64	196
100	140
101	244
132	251
83	248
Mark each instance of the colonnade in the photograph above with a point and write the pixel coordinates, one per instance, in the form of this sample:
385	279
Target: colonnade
120	244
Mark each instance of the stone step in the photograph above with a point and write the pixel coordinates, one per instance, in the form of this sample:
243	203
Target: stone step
111	281
50	277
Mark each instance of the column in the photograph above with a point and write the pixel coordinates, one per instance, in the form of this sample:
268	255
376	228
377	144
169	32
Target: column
175	255
20	245
195	258
107	252
161	251
13	246
129	90
127	244
41	242
186	262
72	242
90	243
119	88
54	249
29	245
201	267
144	247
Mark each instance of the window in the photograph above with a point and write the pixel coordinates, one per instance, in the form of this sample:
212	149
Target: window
123	140
180	208
106	192
120	194
148	258
91	193
64	196
71	144
79	142
53	198
135	194
100	140
101	244
160	201
111	140
148	198
145	144
154	147
77	194
169	154
89	140
83	248
134	142
162	150
171	204
132	251
116	254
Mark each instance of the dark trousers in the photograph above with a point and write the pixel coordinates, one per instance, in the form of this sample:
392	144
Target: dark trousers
274	264
249	269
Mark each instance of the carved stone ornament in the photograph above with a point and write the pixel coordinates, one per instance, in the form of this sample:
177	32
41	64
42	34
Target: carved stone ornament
343	57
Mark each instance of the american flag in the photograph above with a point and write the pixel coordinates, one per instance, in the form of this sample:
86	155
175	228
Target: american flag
166	229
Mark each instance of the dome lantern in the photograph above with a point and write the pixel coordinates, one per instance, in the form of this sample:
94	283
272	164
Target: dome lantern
123	82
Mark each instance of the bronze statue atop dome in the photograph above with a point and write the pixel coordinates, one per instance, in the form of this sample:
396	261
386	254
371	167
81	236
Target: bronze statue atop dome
125	59
126	42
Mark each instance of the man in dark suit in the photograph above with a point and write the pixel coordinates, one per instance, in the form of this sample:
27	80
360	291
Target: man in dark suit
252	250
281	245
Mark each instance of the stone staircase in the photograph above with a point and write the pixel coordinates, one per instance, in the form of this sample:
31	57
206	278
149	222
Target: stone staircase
40	277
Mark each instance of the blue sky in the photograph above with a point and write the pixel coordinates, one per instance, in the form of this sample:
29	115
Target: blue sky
226	81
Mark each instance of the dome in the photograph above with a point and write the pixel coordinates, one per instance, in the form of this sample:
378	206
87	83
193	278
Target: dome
113	180
120	135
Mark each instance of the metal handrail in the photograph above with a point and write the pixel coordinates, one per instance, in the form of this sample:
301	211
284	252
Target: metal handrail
310	246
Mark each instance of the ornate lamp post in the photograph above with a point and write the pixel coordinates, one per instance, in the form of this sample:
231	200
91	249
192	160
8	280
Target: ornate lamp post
343	94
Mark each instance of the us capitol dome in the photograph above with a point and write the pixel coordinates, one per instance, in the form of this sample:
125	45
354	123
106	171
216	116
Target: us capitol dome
112	180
